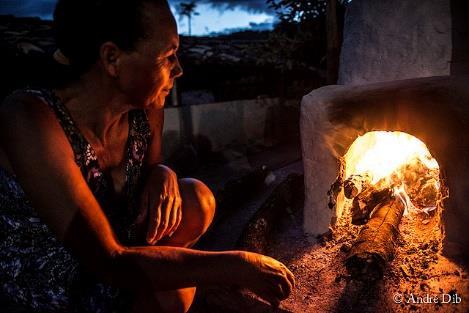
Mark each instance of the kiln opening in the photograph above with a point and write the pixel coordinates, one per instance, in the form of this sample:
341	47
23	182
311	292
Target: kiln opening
388	193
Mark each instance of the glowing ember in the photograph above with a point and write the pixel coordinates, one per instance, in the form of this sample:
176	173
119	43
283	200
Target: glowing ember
399	161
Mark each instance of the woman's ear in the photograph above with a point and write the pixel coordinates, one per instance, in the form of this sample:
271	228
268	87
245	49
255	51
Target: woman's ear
110	55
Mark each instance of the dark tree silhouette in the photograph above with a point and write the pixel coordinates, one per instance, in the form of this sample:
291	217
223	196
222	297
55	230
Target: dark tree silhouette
187	9
301	11
298	10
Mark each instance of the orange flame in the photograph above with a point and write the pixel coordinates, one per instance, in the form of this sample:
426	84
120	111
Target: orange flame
396	160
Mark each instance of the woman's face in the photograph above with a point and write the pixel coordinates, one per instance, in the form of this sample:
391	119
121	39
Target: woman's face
148	73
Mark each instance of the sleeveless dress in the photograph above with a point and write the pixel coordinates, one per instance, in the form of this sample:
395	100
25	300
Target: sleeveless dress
37	273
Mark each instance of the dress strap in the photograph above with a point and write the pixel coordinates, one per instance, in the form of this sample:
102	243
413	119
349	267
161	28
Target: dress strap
139	140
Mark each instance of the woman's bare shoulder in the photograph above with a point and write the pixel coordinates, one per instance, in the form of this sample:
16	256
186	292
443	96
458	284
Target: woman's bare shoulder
25	103
26	117
27	110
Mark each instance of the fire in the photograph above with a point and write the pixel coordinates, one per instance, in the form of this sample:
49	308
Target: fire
381	153
398	161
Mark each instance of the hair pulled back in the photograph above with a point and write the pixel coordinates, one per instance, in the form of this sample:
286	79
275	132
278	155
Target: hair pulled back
82	26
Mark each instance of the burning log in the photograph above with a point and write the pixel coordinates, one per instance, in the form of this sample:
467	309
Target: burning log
365	202
365	196
337	186
355	184
374	247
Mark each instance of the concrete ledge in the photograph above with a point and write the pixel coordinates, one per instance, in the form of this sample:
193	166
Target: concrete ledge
222	124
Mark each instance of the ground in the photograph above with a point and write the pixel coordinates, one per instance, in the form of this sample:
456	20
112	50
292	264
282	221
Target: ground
323	284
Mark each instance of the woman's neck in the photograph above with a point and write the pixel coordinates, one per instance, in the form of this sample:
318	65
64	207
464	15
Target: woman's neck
95	107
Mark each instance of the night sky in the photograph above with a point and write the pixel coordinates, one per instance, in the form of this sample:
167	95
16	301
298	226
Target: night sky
214	15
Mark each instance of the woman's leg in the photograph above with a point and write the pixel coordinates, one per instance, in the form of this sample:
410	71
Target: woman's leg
198	209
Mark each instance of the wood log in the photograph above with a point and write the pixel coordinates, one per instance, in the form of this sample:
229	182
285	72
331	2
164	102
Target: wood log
375	245
337	186
355	184
364	203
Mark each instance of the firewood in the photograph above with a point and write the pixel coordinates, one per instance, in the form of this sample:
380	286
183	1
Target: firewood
375	245
337	186
364	203
355	184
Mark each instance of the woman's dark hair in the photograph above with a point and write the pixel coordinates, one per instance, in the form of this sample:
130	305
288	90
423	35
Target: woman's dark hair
82	26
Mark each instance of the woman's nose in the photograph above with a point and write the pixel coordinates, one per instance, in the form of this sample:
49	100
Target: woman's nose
177	70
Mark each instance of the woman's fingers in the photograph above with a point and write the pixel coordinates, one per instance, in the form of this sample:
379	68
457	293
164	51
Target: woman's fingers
154	222
174	216
165	217
283	285
270	295
163	213
277	290
179	218
291	277
285	277
279	279
175	208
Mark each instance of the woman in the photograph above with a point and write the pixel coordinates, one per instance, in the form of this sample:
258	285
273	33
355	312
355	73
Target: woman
91	220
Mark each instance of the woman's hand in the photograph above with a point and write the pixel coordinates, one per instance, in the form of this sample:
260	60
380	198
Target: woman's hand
265	276
160	204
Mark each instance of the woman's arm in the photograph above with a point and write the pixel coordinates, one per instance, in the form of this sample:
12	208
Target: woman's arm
43	162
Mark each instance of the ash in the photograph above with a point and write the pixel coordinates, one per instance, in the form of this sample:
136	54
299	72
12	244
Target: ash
418	271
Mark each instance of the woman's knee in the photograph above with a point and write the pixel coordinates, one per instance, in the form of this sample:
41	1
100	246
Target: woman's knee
175	301
169	301
198	204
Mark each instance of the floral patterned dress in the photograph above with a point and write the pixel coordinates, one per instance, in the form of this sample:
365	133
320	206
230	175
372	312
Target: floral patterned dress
37	273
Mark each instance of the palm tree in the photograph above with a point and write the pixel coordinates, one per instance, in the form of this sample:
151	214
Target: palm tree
187	9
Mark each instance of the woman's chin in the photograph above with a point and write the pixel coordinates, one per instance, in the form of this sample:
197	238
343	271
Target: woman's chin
157	103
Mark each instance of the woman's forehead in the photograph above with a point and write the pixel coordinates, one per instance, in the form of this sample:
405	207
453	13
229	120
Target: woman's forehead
161	27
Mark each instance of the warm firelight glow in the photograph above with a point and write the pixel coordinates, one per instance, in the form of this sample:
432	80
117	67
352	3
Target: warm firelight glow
399	161
381	153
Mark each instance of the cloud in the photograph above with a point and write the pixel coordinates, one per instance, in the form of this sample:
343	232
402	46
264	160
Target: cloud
45	8
253	6
267	25
41	8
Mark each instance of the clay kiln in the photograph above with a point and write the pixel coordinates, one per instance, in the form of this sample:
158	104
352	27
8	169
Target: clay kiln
434	110
396	78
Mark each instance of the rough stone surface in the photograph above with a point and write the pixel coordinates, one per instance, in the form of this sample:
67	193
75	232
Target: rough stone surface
434	110
396	39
